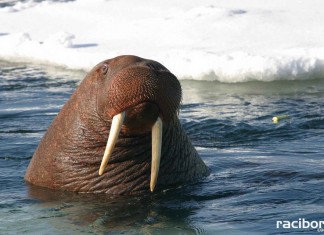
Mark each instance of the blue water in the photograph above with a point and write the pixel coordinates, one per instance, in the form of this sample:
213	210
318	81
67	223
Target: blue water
260	172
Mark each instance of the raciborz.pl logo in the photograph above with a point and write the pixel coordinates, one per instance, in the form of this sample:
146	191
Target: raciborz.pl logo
301	223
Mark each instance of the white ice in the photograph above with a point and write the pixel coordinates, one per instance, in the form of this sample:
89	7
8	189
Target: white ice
225	40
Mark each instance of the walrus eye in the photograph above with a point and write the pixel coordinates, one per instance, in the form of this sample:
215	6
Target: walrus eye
104	69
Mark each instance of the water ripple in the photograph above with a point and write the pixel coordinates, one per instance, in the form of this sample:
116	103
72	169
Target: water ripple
260	171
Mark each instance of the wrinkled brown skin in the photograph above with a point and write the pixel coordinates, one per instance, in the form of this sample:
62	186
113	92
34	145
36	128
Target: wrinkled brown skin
69	155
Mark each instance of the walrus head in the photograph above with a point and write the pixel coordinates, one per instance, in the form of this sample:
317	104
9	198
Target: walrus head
138	95
124	114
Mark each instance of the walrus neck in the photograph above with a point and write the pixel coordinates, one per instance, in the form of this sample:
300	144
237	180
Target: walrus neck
74	161
127	171
129	168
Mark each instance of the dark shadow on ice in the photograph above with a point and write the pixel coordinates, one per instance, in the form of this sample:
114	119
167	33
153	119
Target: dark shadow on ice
4	34
84	45
237	12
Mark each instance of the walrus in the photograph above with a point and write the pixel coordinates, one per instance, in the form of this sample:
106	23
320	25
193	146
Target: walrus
119	133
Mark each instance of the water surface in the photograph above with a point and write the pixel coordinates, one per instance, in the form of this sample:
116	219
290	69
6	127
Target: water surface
260	172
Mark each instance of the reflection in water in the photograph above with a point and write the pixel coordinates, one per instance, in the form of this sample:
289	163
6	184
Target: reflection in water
168	211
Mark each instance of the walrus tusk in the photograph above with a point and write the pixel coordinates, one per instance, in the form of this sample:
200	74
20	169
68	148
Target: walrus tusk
117	122
116	125
156	151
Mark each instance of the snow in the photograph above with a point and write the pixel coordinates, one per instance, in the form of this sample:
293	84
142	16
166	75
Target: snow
224	40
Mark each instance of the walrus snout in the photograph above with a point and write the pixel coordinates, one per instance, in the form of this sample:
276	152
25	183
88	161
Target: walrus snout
140	81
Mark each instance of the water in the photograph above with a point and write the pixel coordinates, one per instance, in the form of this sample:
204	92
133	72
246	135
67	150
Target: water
260	172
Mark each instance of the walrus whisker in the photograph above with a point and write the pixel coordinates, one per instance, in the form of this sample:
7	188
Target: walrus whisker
156	151
116	125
